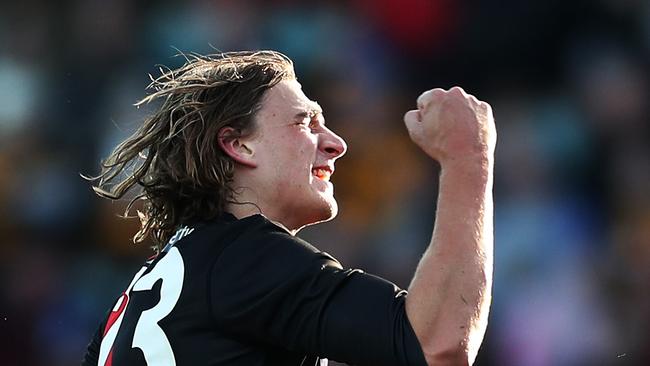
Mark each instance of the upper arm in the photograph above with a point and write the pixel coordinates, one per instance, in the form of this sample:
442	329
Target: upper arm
283	292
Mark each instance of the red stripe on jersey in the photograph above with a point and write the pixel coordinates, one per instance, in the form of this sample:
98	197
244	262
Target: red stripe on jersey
109	359
112	317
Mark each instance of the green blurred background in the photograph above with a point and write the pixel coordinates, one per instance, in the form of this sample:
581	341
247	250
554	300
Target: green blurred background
570	88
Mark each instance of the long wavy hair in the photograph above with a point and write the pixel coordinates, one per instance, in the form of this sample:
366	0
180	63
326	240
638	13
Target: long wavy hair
173	162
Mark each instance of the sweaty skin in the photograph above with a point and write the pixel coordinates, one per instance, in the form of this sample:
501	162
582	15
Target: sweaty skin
449	296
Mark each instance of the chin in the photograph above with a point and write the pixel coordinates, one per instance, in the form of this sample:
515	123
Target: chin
326	210
330	208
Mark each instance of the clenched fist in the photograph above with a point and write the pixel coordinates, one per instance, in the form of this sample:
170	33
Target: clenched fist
452	125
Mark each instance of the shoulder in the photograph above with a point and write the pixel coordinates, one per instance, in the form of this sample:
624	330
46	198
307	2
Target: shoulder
262	268
263	240
229	243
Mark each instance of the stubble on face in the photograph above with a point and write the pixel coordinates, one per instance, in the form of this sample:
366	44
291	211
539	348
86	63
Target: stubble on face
287	152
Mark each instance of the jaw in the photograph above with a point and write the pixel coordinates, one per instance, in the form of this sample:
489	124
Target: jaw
319	207
292	206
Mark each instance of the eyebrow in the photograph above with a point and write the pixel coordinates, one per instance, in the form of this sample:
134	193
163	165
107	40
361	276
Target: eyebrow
313	109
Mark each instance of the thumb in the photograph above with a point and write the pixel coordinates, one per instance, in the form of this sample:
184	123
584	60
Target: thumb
413	124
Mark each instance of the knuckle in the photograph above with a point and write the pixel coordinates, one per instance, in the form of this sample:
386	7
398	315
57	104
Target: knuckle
437	91
457	90
423	99
438	96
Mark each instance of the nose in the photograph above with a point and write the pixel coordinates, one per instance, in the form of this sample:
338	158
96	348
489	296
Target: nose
332	144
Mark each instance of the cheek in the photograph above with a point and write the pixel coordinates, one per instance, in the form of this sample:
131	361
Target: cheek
289	158
297	149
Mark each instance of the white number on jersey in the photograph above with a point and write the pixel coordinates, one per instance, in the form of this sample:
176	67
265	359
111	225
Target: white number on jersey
148	336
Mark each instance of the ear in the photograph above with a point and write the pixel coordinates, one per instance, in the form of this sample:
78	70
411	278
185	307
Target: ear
231	142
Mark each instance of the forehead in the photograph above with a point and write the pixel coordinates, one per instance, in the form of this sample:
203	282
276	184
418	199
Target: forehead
287	97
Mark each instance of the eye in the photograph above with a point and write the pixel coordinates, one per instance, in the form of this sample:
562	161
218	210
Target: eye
305	121
308	121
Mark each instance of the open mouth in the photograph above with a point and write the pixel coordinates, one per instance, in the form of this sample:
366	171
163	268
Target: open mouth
322	173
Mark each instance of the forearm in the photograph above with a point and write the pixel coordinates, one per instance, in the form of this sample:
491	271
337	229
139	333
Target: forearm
449	296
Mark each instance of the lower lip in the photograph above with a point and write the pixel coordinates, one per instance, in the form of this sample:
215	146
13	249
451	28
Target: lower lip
326	182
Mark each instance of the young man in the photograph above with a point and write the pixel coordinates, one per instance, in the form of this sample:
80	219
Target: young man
232	165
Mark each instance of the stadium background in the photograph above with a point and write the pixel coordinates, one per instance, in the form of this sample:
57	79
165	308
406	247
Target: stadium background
568	81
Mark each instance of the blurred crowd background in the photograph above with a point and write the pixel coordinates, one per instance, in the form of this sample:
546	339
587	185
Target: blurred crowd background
570	88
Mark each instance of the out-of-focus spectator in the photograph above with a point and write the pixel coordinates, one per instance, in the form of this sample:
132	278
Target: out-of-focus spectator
569	84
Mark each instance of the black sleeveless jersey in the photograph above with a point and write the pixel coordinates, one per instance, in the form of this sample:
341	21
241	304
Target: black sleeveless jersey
246	292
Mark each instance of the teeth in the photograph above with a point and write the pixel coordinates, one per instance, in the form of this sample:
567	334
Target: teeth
322	174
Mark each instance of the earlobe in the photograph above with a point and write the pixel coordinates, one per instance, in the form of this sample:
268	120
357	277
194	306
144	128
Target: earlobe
231	142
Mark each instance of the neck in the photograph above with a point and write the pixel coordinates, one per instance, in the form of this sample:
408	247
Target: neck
242	210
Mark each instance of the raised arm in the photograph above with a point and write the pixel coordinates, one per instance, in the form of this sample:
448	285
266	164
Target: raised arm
449	296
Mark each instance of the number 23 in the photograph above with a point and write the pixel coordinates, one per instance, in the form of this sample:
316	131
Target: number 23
148	335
